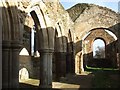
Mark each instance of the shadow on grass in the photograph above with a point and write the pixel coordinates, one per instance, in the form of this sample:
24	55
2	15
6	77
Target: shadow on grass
84	81
95	78
105	77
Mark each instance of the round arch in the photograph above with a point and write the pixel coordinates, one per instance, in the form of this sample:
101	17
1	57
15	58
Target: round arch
109	42
23	75
96	39
99	47
45	38
84	23
89	32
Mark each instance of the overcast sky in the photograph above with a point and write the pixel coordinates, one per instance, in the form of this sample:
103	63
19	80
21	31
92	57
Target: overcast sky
112	4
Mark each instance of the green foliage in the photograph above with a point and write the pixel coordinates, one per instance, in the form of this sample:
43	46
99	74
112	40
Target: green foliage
100	53
96	68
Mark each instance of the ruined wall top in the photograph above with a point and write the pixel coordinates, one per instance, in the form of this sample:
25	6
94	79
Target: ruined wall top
89	16
82	8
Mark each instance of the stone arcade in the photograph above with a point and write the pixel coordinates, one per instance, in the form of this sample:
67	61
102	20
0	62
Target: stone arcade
57	41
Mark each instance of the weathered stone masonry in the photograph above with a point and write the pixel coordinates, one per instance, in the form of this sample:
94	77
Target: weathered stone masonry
59	39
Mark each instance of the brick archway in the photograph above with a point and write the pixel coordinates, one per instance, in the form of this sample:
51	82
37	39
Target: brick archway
110	45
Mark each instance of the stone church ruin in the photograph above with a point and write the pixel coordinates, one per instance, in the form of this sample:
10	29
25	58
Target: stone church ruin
42	40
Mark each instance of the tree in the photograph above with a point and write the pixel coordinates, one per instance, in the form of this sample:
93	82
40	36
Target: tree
100	52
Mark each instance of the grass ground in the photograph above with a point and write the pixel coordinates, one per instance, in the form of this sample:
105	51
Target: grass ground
92	78
105	78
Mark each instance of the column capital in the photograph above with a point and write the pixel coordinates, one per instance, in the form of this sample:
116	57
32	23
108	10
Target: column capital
5	44
16	44
11	44
48	50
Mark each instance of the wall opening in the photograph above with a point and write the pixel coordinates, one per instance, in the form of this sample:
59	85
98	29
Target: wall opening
34	51
23	75
24	52
33	41
99	49
34	37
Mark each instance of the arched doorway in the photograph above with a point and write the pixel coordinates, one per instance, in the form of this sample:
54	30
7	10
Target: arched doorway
25	65
99	48
23	75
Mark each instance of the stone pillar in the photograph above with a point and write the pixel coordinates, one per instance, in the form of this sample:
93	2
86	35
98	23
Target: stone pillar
118	60
77	64
70	61
63	64
5	64
11	40
46	50
10	64
82	57
119	53
46	68
118	36
15	48
0	48
81	64
60	64
117	45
